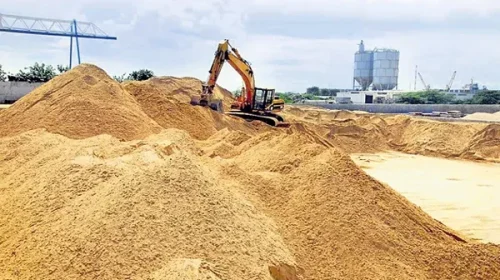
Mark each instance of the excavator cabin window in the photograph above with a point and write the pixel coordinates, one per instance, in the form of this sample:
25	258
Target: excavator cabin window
263	98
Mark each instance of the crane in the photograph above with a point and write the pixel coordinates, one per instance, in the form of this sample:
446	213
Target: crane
427	87
254	103
53	27
448	86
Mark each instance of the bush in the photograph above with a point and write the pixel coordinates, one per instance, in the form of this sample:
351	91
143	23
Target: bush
141	75
425	97
486	97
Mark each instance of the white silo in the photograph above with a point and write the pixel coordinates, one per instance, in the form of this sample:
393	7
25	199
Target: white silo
385	69
363	67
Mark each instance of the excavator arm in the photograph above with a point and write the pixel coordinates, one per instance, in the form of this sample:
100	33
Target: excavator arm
225	52
254	103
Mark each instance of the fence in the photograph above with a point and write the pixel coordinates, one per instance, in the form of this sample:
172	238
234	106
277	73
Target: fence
12	91
407	108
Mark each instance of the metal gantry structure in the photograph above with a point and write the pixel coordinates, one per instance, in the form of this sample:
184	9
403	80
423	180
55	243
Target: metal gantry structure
54	27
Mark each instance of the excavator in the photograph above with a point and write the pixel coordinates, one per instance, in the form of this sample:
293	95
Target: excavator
254	103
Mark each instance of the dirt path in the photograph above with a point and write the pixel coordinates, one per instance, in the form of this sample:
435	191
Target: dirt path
463	195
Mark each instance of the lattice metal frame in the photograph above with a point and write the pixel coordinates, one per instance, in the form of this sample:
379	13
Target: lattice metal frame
53	27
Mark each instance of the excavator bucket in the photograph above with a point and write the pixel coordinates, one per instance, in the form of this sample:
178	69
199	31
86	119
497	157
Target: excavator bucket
215	105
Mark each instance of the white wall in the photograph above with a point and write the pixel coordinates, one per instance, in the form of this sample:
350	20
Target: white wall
357	97
12	91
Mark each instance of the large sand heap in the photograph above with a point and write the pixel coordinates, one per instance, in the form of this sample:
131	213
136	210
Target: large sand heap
339	222
166	100
239	202
81	103
104	209
370	133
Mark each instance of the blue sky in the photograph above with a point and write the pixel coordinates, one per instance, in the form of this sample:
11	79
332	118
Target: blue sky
291	44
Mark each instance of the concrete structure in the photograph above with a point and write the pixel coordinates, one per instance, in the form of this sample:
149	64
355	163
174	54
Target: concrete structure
407	108
378	67
12	91
460	94
390	96
367	97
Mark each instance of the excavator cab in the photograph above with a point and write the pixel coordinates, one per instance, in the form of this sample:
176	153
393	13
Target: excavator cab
263	99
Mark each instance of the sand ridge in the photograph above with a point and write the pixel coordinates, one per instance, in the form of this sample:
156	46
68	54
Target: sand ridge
193	194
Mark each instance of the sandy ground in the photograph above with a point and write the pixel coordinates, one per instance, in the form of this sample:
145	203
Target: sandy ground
461	194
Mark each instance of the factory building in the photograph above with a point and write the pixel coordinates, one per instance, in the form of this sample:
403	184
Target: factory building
367	97
375	77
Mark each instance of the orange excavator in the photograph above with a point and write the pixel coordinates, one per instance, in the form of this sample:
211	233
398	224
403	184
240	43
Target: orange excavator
253	103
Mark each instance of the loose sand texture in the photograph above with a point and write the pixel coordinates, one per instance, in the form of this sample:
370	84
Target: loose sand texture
81	103
166	100
356	133
212	197
495	117
105	209
462	194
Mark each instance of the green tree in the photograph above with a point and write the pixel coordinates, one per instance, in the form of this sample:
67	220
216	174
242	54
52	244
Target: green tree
121	78
3	75
324	92
425	97
411	98
486	97
333	92
287	97
62	69
313	90
309	96
141	75
436	97
37	73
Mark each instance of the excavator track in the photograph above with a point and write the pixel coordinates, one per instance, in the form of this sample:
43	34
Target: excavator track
272	120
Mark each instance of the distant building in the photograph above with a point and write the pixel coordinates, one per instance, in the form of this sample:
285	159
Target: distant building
368	97
378	68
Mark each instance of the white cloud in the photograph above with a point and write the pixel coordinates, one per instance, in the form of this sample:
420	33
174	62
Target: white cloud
382	9
287	62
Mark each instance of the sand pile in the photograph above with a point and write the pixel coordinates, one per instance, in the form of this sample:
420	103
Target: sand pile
218	198
166	100
372	133
339	222
495	117
105	209
437	138
485	144
81	103
181	89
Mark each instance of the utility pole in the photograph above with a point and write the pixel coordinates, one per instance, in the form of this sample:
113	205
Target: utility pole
415	86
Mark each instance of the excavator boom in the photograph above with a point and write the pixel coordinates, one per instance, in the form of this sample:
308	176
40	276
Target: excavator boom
254	103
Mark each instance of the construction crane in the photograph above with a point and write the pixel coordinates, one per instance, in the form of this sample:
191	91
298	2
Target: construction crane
448	86
54	27
427	87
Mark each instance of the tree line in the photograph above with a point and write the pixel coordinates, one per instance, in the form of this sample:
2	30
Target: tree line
41	72
38	72
316	91
437	97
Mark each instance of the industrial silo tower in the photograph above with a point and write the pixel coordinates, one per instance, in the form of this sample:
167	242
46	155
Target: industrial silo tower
363	67
378	68
385	69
